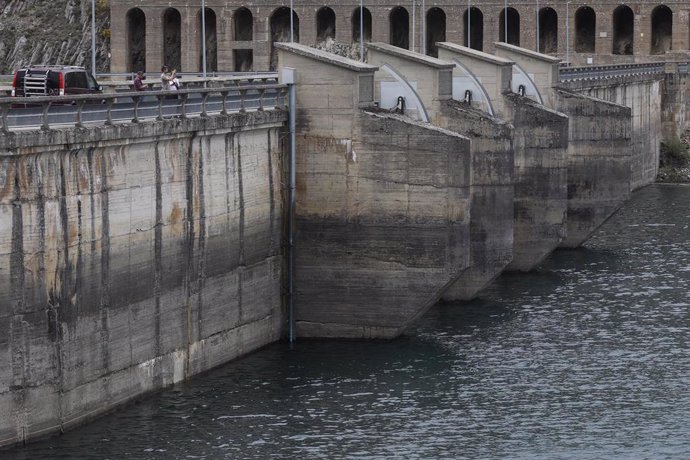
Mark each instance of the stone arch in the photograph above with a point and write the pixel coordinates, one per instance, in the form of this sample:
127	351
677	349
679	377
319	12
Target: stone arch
243	25
280	30
548	30
211	41
662	29
325	24
585	29
136	40
475	38
623	30
366	16
435	29
513	27
172	38
399	27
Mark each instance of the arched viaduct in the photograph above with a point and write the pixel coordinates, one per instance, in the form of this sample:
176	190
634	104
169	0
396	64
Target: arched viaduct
239	36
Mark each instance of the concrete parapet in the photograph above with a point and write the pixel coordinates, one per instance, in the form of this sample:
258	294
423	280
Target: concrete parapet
132	257
599	156
492	195
541	68
493	73
541	167
430	78
383	207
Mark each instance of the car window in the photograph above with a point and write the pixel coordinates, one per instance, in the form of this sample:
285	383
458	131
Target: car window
52	81
70	81
79	79
92	82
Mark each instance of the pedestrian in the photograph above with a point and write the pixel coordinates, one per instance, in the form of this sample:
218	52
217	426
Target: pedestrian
167	78
139	81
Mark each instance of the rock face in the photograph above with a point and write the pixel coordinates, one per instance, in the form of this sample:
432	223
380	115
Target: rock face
55	32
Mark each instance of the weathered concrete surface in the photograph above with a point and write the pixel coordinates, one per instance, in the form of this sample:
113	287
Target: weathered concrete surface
491	214
383	226
494	72
643	95
675	102
432	78
383	204
541	178
599	151
492	194
132	257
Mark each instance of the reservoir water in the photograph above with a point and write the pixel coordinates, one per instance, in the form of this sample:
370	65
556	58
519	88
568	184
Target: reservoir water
587	357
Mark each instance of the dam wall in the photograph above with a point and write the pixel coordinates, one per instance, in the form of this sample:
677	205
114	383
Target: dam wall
133	257
383	204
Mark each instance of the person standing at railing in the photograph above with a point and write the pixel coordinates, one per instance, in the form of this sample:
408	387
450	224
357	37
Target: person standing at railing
167	78
139	82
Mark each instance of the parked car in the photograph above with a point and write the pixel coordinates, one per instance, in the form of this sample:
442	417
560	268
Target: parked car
54	80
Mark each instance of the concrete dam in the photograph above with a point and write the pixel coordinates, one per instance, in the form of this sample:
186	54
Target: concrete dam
136	255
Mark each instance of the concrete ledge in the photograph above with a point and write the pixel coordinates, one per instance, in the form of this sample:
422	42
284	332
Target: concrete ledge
410	55
527	53
326	57
474	54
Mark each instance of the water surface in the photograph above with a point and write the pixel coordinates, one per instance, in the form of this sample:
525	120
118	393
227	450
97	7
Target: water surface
587	357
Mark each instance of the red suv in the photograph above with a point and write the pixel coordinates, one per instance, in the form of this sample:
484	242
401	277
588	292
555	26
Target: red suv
53	81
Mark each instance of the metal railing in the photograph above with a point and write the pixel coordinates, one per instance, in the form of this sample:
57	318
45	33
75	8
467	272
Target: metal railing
50	112
610	71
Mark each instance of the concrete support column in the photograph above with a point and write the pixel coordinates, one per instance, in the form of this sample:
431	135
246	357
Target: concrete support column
190	54
154	40
118	42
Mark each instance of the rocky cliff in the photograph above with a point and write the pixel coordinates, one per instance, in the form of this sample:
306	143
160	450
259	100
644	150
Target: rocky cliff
52	32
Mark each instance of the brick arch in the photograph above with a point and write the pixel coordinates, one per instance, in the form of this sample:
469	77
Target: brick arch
211	40
474	36
325	23
355	21
172	38
399	27
435	29
548	30
513	18
662	29
585	29
135	33
623	30
280	30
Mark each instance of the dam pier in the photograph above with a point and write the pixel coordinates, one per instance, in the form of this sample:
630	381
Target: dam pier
138	252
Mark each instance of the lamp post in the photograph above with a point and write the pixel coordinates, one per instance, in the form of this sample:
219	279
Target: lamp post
567	32
422	40
93	37
203	37
414	23
538	50
469	22
361	30
505	21
292	22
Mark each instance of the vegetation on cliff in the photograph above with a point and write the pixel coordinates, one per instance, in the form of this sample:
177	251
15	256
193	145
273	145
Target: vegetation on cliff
52	32
674	160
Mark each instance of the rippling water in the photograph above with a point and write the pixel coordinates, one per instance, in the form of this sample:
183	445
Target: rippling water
587	357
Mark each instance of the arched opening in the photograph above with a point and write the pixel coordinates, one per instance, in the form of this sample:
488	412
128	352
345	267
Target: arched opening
513	27
211	41
172	38
280	30
662	29
366	19
623	29
548	30
399	21
136	40
243	25
435	30
325	24
475	38
585	29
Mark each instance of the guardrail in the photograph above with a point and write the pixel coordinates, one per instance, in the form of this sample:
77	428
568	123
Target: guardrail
48	112
611	71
